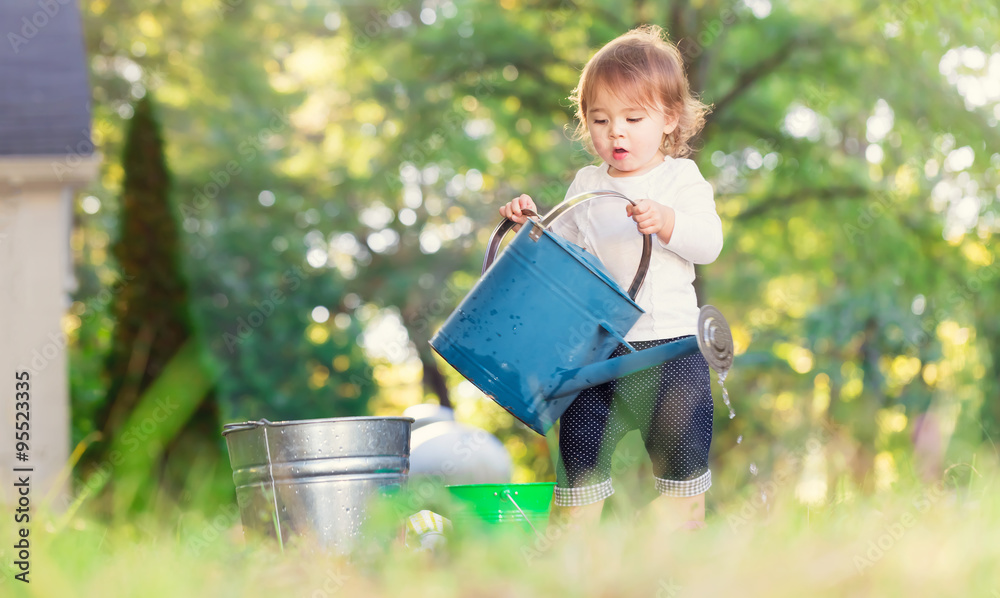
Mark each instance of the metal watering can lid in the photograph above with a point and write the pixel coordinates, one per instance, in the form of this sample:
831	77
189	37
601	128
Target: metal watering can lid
589	260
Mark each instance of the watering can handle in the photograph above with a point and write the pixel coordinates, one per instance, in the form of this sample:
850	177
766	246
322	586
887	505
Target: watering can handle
498	234
505	225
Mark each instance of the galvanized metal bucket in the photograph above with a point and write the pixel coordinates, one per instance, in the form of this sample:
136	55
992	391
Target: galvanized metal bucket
313	479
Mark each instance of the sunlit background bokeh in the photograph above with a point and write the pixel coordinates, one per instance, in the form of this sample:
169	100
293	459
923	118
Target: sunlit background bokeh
350	157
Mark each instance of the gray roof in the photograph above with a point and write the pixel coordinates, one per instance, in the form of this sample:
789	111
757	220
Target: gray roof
44	94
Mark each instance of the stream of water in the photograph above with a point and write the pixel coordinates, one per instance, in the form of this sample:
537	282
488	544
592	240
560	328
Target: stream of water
725	393
739	439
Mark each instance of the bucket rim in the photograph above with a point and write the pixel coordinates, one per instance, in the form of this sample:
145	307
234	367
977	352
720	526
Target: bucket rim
252	425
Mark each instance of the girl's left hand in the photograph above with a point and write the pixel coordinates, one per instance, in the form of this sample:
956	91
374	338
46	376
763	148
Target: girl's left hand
648	216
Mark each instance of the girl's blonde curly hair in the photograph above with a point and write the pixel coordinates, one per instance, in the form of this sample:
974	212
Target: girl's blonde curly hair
643	66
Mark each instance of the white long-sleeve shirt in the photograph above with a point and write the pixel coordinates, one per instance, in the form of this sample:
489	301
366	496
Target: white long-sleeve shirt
603	228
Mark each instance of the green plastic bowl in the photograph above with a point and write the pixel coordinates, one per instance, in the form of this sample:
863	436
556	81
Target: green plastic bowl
497	504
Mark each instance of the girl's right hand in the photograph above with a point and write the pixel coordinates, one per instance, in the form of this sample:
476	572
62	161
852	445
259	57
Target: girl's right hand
513	210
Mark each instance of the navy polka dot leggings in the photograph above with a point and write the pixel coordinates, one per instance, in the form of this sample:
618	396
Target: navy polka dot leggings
670	404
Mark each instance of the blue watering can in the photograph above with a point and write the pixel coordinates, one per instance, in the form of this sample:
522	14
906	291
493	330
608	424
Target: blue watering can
540	324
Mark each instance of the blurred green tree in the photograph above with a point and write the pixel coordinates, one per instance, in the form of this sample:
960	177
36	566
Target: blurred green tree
150	310
151	314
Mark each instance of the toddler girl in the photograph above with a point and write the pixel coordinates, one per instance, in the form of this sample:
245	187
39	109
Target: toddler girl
636	113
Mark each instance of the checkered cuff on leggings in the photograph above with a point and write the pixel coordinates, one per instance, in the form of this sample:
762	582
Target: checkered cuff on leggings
687	488
578	497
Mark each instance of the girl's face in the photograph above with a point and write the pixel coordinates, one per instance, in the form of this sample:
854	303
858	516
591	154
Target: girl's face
627	135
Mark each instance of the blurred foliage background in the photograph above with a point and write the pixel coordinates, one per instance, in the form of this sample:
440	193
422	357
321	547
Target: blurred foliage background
334	172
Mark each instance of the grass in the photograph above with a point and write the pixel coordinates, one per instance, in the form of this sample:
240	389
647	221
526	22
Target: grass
915	540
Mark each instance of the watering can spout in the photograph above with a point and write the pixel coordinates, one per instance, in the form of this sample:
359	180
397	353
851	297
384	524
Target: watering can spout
572	382
713	339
